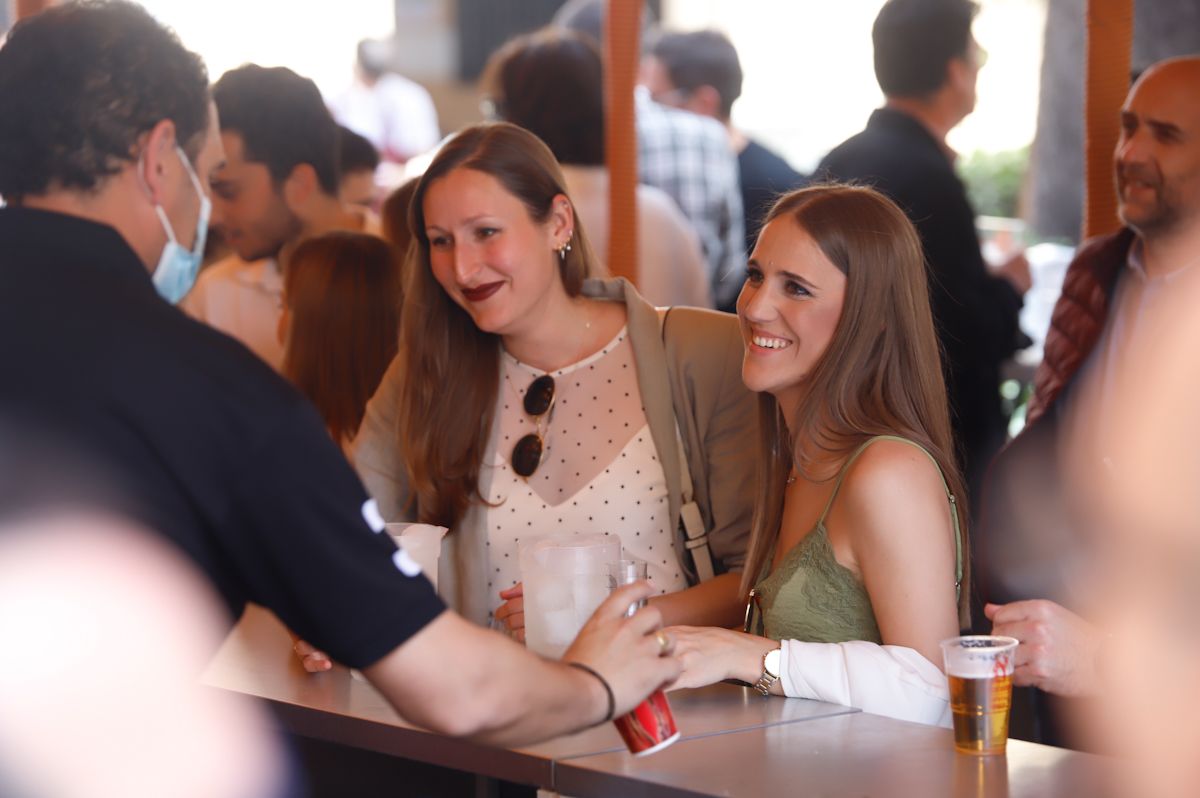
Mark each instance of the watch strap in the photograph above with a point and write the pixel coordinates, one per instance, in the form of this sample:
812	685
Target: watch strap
768	679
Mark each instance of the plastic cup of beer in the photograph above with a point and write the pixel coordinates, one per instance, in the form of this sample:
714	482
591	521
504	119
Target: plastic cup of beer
979	669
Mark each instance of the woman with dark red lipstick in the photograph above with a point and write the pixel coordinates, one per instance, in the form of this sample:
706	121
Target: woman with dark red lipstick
529	397
856	564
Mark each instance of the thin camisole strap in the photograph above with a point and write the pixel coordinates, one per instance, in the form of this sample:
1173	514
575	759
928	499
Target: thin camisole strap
958	557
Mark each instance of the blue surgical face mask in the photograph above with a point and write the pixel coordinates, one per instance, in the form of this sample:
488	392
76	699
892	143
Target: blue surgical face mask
177	267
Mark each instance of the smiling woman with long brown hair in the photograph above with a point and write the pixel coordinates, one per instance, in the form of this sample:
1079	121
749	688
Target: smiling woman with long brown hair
856	559
528	399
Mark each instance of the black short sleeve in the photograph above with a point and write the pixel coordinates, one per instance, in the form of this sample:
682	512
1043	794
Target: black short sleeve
315	550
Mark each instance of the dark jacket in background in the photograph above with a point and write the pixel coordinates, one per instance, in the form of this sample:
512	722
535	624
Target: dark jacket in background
763	176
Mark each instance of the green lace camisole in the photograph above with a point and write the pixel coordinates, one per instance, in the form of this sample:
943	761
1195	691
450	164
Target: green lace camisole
813	597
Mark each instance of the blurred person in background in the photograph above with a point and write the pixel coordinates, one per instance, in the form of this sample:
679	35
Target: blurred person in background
856	568
700	72
528	398
279	185
1040	501
106	171
926	63
395	114
551	83
358	160
393	215
687	156
340	324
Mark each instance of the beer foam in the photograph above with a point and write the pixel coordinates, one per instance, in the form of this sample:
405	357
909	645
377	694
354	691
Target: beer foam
980	668
979	657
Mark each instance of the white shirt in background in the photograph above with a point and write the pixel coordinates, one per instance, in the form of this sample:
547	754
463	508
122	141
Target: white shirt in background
396	115
243	300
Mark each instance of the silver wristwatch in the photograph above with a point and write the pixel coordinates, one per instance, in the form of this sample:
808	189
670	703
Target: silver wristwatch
770	673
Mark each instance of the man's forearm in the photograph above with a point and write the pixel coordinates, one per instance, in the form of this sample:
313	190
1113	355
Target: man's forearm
484	686
547	700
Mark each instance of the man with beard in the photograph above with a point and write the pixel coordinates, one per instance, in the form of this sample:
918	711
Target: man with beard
1109	317
279	185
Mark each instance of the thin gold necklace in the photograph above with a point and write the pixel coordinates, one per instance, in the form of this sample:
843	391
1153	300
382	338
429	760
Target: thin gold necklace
581	347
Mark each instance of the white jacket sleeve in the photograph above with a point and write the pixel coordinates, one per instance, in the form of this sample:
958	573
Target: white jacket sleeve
894	681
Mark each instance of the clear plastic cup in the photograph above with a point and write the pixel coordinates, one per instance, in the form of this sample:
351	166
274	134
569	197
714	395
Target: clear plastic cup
423	543
625	572
979	669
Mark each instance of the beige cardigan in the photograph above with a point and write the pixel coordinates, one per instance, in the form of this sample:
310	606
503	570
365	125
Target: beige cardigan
690	370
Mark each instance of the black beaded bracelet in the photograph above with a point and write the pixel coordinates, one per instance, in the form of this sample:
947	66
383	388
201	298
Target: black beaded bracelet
612	699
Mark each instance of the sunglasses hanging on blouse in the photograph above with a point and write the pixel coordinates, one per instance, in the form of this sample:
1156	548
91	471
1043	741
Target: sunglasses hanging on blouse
539	399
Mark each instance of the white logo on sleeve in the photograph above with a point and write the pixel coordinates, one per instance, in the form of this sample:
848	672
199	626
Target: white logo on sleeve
407	565
370	514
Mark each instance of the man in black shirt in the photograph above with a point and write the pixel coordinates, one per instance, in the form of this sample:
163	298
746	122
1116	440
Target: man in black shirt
105	158
926	62
700	72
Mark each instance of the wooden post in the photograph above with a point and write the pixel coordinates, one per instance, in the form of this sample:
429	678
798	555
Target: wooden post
27	8
1109	45
622	50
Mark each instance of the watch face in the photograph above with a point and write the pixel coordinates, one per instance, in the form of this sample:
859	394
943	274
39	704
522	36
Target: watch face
771	662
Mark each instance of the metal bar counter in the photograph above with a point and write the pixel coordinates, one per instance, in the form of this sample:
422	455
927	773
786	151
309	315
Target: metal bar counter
852	755
734	741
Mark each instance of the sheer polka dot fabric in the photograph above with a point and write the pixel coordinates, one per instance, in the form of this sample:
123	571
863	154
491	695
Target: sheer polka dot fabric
600	471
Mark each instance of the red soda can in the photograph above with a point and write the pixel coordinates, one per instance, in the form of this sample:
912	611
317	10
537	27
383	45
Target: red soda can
649	727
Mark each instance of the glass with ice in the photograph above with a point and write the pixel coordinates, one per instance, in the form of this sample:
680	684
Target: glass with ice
565	579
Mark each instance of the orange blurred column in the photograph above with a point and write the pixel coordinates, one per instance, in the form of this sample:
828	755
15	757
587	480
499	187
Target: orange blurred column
622	51
1109	43
27	8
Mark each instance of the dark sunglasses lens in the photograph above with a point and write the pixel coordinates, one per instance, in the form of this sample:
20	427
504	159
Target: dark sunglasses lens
539	395
527	455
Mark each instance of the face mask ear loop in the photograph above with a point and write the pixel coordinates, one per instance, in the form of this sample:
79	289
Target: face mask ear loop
158	209
166	223
205	203
187	165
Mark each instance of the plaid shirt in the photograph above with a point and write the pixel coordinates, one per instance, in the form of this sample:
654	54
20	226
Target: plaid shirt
689	157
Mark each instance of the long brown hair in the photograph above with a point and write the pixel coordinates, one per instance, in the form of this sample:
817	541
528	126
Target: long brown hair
881	373
343	292
451	367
